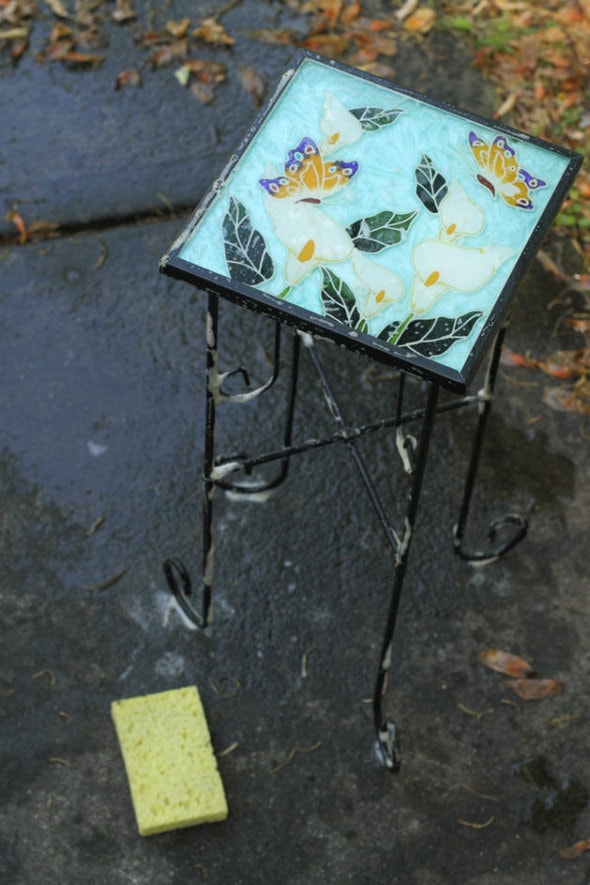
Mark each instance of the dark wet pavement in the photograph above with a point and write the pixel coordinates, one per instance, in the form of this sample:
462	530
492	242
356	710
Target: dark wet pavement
100	445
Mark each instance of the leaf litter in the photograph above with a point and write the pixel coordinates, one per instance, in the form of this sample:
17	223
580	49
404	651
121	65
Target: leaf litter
524	680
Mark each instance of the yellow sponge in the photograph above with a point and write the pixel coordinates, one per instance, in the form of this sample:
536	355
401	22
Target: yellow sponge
169	760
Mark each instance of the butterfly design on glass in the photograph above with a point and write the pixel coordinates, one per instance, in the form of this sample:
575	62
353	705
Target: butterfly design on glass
500	172
307	177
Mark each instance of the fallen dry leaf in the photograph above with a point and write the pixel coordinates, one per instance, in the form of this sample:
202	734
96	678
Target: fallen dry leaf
350	12
576	850
16	218
268	35
123	11
535	689
252	83
375	43
569	399
130	77
378	69
330	45
210	31
178	29
18	48
82	59
183	75
14	34
506	663
58	8
42	228
407	9
328	10
207	71
205	92
421	21
170	53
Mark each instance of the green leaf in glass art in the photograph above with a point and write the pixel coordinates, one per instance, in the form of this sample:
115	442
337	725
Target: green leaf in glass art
338	300
247	257
379	231
431	186
431	337
372	119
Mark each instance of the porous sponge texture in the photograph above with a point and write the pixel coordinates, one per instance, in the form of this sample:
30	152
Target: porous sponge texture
169	759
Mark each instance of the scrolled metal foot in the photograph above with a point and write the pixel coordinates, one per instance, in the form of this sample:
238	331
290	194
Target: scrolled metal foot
388	746
519	525
181	587
239	371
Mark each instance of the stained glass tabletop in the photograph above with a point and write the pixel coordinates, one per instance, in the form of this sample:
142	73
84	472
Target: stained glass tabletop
373	216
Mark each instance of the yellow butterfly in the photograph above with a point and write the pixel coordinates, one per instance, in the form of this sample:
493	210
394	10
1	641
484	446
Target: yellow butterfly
307	177
500	172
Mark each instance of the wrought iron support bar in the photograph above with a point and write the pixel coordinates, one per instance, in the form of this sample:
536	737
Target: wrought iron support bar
176	574
387	737
356	456
515	521
284	454
224	466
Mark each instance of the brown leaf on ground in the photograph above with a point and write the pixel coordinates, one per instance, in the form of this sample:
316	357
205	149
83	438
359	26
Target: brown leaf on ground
123	11
374	43
130	77
42	228
574	399
16	218
378	69
210	31
170	53
82	59
205	92
14	34
330	45
350	12
535	689
576	850
207	71
58	8
506	663
205	76
327	11
252	83
178	29
268	35
567	364
422	21
18	48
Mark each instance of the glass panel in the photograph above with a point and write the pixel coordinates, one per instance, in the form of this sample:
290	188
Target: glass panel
399	218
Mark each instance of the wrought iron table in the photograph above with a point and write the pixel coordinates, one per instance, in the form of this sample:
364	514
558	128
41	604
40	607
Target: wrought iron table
395	226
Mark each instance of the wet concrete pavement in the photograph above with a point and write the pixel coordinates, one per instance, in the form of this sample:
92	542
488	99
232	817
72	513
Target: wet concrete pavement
100	445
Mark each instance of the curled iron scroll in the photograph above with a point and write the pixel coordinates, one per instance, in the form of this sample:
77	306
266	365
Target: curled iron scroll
179	582
519	526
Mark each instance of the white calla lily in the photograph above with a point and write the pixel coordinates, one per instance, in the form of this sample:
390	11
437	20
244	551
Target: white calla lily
338	125
459	215
441	266
384	287
310	236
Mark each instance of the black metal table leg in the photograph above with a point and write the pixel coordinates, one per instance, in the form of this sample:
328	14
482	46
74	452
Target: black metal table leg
214	471
513	521
387	737
176	574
